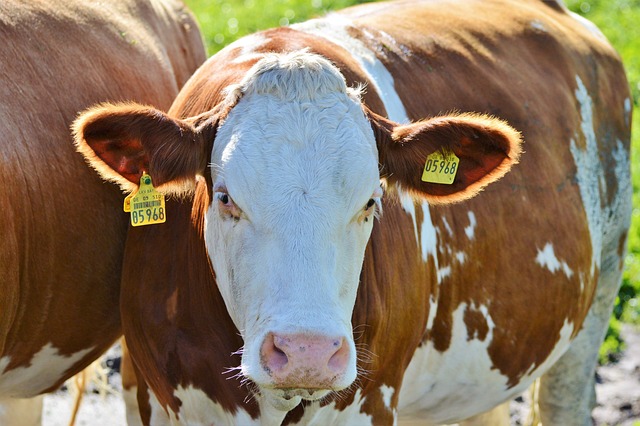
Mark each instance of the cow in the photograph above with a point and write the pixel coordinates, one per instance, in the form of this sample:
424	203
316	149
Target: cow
329	256
62	232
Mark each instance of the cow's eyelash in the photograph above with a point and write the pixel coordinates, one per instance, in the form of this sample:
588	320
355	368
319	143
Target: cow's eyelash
372	209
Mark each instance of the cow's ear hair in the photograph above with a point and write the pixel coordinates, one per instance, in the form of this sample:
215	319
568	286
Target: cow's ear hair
486	147
121	141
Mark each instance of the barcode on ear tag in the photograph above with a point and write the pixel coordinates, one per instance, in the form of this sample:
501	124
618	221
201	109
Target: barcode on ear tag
147	205
440	168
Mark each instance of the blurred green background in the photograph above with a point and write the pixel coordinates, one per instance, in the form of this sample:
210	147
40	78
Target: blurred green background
223	21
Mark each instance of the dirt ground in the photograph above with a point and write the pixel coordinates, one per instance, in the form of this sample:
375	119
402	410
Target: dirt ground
617	391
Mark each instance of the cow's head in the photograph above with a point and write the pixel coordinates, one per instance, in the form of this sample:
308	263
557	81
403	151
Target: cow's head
295	161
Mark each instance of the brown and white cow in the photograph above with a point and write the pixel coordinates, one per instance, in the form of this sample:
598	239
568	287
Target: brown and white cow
62	230
447	306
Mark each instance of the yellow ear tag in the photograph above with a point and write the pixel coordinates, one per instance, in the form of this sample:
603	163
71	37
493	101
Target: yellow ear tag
147	205
127	202
441	168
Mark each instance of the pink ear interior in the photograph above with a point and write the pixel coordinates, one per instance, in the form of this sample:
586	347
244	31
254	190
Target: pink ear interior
126	157
487	148
122	141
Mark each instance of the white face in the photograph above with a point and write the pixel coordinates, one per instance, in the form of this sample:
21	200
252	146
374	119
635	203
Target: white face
296	186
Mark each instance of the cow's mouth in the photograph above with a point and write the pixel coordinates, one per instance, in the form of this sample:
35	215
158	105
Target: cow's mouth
288	399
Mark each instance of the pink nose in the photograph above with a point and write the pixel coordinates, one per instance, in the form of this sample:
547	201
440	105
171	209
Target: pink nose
304	361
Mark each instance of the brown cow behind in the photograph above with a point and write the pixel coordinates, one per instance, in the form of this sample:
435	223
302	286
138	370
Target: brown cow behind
62	228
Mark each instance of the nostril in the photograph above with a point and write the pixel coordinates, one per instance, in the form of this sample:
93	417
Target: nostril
273	357
340	359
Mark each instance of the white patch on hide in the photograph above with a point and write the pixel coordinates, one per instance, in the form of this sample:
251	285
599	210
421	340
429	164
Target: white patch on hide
45	368
198	409
538	25
471	229
547	259
443	273
447	226
335	28
446	387
590	26
248	46
427	237
314	415
589	173
627	111
387	394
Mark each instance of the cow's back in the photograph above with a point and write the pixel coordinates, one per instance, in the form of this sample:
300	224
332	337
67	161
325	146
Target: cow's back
62	228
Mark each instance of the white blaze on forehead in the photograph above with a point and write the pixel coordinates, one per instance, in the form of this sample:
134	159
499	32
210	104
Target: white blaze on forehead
547	258
295	76
627	111
45	368
300	132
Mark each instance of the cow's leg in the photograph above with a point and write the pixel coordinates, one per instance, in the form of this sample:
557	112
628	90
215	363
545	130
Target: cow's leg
129	387
141	405
567	390
499	416
24	412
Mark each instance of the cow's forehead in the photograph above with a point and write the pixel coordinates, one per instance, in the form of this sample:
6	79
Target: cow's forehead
296	132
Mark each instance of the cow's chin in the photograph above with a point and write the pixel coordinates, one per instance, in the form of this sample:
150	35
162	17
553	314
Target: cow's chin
288	399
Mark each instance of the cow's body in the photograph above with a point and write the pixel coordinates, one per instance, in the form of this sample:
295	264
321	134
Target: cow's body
460	306
62	230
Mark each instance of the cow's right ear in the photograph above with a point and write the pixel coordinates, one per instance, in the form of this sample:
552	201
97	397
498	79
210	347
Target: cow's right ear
485	147
122	141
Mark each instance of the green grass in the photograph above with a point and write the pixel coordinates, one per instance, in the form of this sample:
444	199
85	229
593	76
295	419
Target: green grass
223	21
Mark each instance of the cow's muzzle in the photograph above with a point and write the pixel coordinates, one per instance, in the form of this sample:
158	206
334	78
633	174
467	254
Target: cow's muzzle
307	363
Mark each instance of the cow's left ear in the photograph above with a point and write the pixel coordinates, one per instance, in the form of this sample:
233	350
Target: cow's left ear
485	146
121	141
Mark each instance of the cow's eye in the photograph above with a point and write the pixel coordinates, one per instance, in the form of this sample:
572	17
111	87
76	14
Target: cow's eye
370	210
228	209
373	207
224	198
